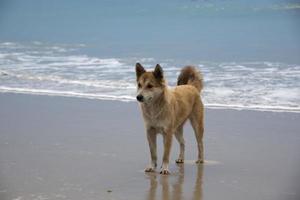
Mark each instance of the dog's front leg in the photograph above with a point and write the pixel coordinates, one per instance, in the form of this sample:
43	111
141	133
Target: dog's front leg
151	136
167	136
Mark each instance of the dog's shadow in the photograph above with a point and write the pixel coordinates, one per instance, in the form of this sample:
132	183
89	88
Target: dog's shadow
176	192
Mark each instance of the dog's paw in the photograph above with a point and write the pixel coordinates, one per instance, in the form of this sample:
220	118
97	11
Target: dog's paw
164	172
150	169
179	160
199	161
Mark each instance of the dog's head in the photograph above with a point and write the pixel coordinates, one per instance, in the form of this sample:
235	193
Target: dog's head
150	85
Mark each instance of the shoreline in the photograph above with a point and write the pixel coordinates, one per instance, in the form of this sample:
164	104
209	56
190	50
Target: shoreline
128	99
74	148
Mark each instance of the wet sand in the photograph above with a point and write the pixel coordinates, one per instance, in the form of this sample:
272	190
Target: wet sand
71	148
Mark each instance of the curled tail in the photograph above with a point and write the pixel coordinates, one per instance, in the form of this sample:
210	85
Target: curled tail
189	75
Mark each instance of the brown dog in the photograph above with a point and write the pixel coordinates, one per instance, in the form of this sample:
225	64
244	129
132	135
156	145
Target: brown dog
166	110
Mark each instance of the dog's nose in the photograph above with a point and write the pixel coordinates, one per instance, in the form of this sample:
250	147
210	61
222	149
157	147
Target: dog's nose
140	98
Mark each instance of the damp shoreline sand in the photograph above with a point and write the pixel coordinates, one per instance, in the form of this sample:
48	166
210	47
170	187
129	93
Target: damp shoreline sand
72	148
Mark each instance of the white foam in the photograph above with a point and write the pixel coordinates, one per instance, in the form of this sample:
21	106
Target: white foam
254	107
221	91
66	94
92	83
40	68
8	44
285	94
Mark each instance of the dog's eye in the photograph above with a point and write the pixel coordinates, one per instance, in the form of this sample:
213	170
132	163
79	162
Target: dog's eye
149	86
139	85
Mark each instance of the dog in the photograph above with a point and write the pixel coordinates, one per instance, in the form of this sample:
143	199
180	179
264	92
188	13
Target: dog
166	110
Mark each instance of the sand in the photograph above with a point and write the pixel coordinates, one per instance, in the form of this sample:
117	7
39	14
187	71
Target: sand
71	148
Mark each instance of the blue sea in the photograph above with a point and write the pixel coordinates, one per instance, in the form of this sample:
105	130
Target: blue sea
248	51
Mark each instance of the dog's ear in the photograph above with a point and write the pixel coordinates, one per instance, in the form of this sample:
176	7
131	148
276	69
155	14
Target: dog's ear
158	72
139	70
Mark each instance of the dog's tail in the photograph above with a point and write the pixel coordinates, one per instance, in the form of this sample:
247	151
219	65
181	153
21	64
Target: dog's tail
189	75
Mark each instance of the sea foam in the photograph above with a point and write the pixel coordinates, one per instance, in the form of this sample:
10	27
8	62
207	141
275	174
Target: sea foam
61	70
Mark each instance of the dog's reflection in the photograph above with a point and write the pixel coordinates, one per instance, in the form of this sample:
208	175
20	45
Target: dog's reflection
158	181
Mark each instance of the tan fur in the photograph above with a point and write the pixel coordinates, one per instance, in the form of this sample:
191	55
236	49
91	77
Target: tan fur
190	76
166	110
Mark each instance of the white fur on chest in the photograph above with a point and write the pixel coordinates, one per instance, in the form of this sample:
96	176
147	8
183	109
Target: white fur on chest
158	123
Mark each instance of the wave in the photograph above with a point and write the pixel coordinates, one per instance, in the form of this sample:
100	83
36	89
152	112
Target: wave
254	107
66	94
126	98
39	68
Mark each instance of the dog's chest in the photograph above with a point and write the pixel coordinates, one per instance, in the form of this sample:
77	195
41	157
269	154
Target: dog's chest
160	124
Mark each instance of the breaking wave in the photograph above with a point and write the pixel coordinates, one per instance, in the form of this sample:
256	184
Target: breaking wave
38	68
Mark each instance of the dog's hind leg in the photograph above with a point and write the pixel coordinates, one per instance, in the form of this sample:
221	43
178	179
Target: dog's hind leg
180	139
197	122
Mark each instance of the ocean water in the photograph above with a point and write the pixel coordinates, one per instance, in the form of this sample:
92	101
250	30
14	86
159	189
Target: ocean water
38	68
248	52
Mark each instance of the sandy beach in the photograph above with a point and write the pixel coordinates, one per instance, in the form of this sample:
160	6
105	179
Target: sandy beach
80	149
